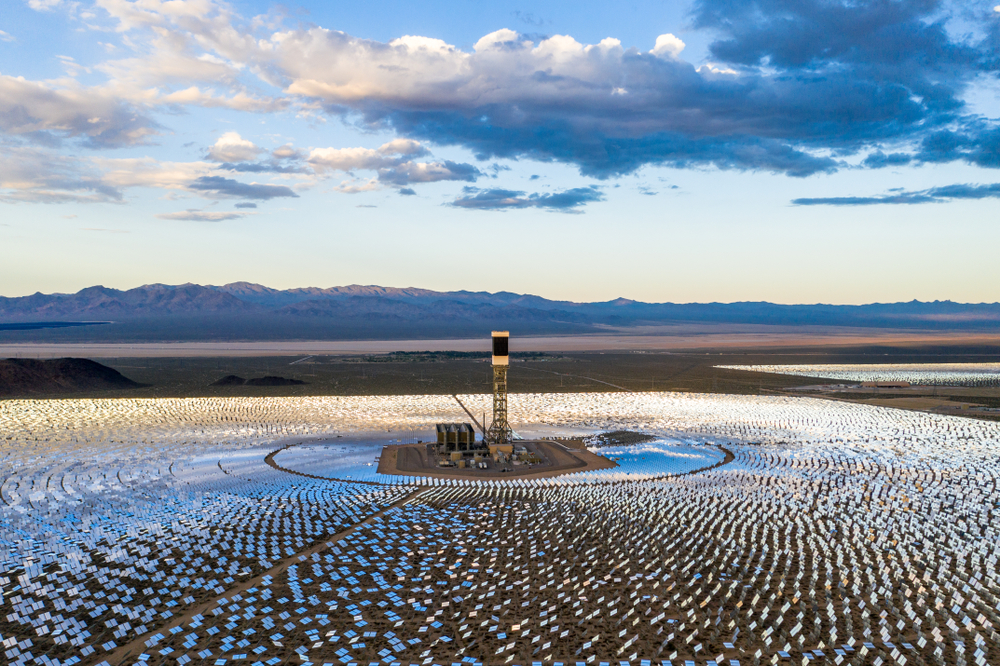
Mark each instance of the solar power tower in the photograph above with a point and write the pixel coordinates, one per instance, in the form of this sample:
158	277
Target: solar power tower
500	432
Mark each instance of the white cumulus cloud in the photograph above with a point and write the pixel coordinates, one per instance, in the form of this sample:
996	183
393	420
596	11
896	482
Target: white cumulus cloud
349	159
667	46
231	147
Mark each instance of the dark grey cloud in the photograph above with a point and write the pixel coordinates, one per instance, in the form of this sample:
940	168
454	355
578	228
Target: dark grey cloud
976	142
499	199
882	49
245	204
932	195
902	39
227	187
879	160
601	155
407	191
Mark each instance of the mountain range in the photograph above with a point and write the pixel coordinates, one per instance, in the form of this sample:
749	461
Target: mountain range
246	311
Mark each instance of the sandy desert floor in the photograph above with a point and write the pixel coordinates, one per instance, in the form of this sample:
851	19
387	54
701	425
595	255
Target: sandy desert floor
651	338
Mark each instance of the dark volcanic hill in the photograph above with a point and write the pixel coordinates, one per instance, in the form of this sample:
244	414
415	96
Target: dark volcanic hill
29	377
245	311
229	380
269	380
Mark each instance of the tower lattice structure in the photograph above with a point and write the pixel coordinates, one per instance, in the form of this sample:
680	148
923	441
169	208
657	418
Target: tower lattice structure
500	431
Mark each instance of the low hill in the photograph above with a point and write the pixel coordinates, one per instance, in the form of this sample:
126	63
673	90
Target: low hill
269	380
30	377
230	380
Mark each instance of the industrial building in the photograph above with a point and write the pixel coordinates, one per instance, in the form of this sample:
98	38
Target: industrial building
457	441
455	437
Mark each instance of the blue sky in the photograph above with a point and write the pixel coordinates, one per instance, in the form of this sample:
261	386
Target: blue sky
720	150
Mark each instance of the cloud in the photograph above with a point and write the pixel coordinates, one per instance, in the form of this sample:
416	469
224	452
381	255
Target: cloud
349	159
667	46
562	100
43	5
6	37
193	215
33	174
976	143
124	173
568	201
38	175
528	18
108	231
286	152
932	195
261	167
879	160
407	192
183	53
814	78
428	172
238	101
392	163
496	169
901	55
227	187
284	159
45	114
245	204
792	88
231	147
358	185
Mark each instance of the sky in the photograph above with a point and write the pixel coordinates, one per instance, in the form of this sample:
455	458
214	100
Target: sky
793	151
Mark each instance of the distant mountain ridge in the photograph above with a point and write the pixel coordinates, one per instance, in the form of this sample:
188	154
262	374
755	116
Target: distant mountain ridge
247	311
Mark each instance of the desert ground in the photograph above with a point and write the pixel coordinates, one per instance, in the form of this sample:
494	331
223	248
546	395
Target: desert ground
445	373
680	337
